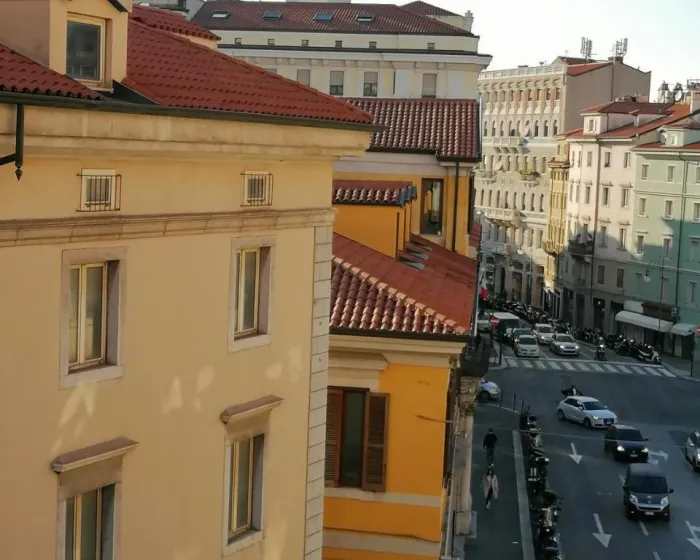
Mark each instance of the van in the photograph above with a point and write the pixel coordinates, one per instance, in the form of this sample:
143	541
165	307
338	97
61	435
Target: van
645	492
503	321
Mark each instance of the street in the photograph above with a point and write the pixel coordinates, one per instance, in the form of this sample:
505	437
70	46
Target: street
593	522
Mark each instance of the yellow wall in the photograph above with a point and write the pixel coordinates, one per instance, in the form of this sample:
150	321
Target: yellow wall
371	225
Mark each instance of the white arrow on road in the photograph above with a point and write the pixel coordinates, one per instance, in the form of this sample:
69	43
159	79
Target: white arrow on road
603	538
659	454
694	540
652	461
575	456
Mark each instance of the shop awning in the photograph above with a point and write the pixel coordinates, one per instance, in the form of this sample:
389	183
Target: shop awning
683	329
639	320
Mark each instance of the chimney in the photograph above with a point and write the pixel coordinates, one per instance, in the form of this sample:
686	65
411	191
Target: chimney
615	59
694	101
468	20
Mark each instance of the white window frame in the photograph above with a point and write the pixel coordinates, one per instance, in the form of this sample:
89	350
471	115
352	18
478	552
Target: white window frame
617	279
603	236
607	158
81	362
623	238
365	83
642	209
77	523
671	174
589	158
636	244
666	248
692	293
85	176
605	196
331	85
696	212
644	174
668	215
253	199
102	24
598	275
625	198
307	72
626	160
425	93
697	174
638	279
694	249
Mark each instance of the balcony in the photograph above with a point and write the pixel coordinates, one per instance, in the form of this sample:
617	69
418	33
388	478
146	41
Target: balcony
552	248
486	175
502	216
580	250
504	144
530	177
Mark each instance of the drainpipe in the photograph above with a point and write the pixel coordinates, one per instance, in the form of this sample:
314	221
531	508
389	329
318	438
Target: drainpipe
680	226
455	206
18	157
595	222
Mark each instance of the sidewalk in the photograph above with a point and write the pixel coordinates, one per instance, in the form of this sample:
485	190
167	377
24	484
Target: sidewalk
496	532
680	367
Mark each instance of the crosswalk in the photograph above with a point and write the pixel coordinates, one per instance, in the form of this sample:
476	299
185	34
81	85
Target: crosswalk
589	366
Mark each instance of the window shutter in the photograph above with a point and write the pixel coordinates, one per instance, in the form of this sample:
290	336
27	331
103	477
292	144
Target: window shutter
334	410
374	452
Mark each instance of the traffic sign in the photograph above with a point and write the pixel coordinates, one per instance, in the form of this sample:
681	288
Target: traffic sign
494	322
697	331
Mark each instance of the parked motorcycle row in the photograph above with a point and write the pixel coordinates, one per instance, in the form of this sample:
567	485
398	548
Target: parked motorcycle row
543	501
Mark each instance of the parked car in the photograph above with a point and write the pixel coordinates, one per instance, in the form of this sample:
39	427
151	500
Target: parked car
488	391
564	345
543	333
526	345
645	492
626	443
483	323
587	411
692	450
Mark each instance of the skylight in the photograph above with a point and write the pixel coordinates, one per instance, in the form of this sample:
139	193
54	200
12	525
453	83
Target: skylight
365	18
272	15
320	16
220	14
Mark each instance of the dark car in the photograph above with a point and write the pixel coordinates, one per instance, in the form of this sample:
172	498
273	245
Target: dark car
692	450
645	492
626	443
515	333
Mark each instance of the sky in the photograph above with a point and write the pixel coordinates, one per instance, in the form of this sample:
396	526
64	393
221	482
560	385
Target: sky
662	34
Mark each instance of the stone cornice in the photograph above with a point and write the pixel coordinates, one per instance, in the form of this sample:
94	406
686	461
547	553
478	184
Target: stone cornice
108	228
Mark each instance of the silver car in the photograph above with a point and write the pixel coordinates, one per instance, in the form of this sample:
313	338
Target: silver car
587	411
526	345
564	345
543	333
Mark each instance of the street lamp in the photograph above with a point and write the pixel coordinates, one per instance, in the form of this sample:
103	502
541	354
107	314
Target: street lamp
647	278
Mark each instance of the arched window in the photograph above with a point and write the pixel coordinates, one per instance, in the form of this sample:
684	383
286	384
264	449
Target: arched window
534	164
537	128
490	193
517	128
522	202
486	129
526	130
557	94
555	128
498	199
511	132
515	201
493	128
532	202
481	198
545	129
500	130
541	203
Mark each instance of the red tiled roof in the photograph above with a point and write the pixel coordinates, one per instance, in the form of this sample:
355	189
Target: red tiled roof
425	9
573	60
578	69
687	124
299	16
659	146
571	133
673	114
19	74
170	21
173	71
626	107
444	285
384	193
447	128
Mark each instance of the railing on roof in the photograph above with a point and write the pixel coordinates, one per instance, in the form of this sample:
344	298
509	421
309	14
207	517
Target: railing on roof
524	71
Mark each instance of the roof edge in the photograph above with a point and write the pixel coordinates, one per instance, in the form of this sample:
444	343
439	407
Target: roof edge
374	333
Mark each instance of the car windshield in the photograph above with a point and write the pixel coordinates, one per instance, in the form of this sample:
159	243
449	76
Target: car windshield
521	331
545	329
593	405
564	338
648	485
629	435
527	341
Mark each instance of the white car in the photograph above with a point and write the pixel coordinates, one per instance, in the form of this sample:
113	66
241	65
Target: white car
526	345
587	411
543	333
564	345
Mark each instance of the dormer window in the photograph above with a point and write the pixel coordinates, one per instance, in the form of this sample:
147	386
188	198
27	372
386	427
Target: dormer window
85	49
322	16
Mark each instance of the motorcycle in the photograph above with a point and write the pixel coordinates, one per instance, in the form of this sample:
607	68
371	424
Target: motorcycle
612	340
600	353
647	353
572	392
624	347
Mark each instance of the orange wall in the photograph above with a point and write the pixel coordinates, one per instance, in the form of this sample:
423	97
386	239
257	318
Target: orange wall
374	226
342	554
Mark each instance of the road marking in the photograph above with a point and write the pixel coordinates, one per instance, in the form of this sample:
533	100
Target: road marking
596	367
638	370
575	456
527	364
523	501
611	368
656	556
622	478
603	538
693	532
624	369
666	372
653	371
540	364
582	366
568	366
644	529
555	365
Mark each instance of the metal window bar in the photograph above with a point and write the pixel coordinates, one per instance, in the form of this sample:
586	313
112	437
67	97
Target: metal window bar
257	189
100	193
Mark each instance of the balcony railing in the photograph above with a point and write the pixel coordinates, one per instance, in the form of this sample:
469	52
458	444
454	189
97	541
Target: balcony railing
504	142
505	215
552	248
473	361
100	193
580	249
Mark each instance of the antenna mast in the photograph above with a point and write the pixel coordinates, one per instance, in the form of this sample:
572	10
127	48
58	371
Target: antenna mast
586	48
620	48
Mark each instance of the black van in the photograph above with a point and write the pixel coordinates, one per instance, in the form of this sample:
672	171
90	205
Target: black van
645	492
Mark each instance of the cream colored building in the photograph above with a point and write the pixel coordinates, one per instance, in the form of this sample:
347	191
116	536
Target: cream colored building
164	342
523	109
361	50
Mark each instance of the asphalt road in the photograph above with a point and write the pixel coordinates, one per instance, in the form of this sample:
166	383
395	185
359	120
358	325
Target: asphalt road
665	410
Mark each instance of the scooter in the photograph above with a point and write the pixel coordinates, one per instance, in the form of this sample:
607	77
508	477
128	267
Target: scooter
600	353
646	353
572	392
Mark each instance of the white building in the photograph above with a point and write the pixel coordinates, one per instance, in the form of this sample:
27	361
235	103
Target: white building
354	50
523	109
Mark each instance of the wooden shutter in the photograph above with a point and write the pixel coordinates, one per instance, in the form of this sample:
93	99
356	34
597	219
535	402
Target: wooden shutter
334	411
374	449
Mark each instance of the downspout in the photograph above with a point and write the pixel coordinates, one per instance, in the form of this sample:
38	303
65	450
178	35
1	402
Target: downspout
396	241
18	156
454	209
595	220
680	226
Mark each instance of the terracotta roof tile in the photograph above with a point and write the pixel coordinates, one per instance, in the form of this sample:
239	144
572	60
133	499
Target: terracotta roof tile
440	282
170	21
686	124
384	193
578	69
173	71
19	74
299	16
448	128
694	146
425	9
626	107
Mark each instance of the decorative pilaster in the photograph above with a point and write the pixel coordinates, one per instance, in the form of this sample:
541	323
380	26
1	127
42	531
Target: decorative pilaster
318	392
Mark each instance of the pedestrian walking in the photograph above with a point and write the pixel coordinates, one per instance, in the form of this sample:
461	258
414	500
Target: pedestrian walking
490	485
490	440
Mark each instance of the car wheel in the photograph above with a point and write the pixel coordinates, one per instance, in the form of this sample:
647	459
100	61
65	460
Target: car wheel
696	465
587	422
560	415
484	397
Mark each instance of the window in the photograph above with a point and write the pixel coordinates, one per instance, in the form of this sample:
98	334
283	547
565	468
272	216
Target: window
365	18
642	206
85	46
606	159
481	198
237	41
605	196
370	84
671	173
603	236
692	292
625	198
587	194
251	291
321	16
668	209
696	211
220	14
304	76
244	481
529	238
99	190
620	280
539	238
431	46
532	202
601	274
541	203
640	244
304	42
336	82
270	42
697	174
590	125
373	44
356	435
626	160
666	247
490	197
338	44
272	15
429	88
664	287
87	330
555	128
638	282
623	238
589	159
89	525
645	172
557	93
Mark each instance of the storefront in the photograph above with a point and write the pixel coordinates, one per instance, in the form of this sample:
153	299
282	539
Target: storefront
642	328
683	335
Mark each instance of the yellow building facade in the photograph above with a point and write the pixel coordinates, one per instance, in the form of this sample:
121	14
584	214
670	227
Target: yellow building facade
165	296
